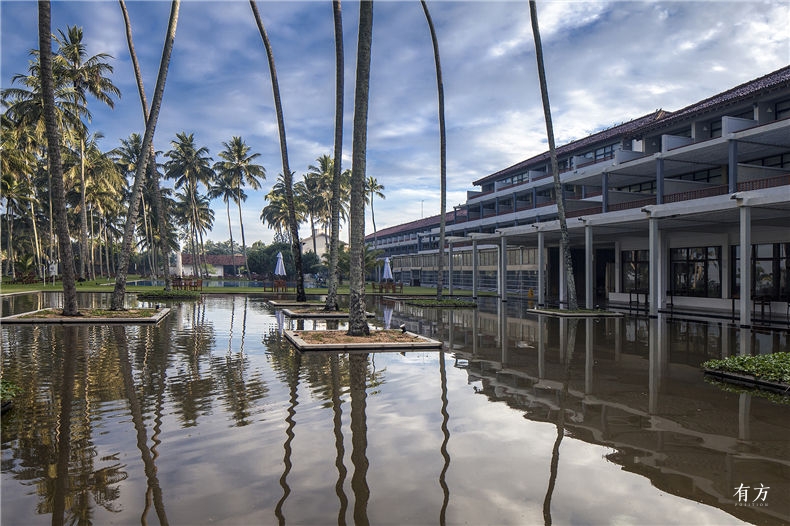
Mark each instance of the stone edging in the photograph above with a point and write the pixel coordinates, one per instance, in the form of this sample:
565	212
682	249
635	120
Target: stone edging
423	344
748	380
80	320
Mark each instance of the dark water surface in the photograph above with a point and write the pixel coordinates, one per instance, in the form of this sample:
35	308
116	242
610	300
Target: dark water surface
211	418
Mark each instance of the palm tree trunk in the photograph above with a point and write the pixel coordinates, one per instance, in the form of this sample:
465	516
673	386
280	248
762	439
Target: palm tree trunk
230	231
153	173
442	155
83	213
53	155
357	320
558	194
296	245
10	242
119	292
334	243
243	243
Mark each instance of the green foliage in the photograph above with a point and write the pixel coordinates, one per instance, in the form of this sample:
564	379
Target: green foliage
771	367
8	390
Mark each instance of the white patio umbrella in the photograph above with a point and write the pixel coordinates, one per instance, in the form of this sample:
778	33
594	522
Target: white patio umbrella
387	269
387	315
279	268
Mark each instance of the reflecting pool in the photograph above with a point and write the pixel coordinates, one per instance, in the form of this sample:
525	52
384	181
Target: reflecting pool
210	417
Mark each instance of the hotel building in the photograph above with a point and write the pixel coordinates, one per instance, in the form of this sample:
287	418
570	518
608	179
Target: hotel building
674	210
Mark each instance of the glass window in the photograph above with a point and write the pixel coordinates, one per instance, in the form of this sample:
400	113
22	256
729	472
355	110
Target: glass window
695	271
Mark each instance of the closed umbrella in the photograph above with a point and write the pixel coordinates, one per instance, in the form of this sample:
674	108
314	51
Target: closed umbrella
387	269
279	269
387	315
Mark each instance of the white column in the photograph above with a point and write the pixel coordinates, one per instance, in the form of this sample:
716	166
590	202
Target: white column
503	268
588	266
655	267
474	269
541	271
746	266
589	359
450	270
563	279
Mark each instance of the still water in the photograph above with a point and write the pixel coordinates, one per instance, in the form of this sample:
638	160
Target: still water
211	418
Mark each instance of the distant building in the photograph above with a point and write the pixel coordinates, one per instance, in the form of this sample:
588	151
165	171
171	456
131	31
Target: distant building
218	265
686	209
322	242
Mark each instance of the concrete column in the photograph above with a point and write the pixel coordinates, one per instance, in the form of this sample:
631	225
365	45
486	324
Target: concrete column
503	268
744	416
450	269
732	166
659	181
588	356
618	267
563	279
655	267
474	269
604	192
588	267
541	271
746	267
541	346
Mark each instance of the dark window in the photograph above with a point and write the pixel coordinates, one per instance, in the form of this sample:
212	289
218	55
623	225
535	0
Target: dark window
770	270
636	269
695	271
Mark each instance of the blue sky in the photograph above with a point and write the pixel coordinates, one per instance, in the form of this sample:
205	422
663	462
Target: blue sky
607	62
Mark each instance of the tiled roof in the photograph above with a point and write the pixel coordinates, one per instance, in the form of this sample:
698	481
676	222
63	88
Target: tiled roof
419	225
214	259
779	79
604	136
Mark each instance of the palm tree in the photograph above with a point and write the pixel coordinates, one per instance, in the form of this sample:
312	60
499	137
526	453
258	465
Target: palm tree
296	245
312	192
558	194
276	213
119	291
357	321
86	74
373	189
334	203
190	166
237	163
225	189
442	153
156	192
55	167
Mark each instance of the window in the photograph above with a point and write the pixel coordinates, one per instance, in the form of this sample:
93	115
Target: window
695	272
636	270
770	270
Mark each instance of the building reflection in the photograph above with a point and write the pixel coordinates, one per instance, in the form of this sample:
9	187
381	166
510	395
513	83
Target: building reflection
633	384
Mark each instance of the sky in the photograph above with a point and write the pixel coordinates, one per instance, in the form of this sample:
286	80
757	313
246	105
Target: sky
606	63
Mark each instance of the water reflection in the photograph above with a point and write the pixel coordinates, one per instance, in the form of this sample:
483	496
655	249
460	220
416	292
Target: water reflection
194	420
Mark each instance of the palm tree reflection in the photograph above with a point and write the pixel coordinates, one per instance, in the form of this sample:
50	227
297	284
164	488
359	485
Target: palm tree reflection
446	433
293	383
358	364
341	451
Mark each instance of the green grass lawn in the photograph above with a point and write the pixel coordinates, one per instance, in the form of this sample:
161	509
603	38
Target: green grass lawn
107	285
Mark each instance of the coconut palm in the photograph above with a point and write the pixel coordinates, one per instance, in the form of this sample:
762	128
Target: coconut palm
276	212
154	175
190	167
334	201
373	189
357	320
55	167
442	153
558	194
88	76
119	291
238	167
224	188
312	192
293	224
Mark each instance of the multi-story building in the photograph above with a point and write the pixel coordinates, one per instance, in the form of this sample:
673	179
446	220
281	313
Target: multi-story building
659	210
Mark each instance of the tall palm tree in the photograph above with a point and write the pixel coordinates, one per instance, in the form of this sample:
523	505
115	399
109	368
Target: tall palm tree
88	76
119	291
154	174
558	194
373	189
357	321
312	192
296	245
224	188
276	212
238	164
190	166
334	203
55	167
442	153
